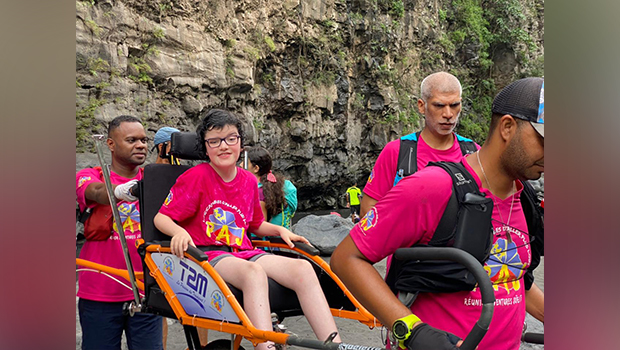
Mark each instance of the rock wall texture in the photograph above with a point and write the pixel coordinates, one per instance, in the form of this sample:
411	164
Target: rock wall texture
322	84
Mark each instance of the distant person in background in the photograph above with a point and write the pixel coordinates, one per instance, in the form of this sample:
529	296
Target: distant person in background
278	196
162	144
354	195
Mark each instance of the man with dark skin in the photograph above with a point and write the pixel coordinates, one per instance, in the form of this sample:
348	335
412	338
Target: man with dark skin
513	152
101	299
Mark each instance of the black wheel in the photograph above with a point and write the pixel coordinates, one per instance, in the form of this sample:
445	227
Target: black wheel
220	344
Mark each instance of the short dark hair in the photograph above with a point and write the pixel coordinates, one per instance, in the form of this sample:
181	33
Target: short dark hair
116	122
217	119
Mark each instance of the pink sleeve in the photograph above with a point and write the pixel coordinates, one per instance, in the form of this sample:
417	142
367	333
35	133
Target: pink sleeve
183	199
381	177
261	195
83	178
257	215
401	219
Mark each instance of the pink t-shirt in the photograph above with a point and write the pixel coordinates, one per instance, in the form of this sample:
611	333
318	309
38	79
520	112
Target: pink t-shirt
95	286
381	177
401	220
215	212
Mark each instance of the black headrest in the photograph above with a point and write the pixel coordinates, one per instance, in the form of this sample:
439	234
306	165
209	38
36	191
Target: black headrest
185	145
156	183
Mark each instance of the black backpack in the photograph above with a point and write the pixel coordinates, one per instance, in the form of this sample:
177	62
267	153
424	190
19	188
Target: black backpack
408	153
465	224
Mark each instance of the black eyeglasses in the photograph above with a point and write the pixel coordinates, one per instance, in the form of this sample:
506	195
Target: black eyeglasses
216	141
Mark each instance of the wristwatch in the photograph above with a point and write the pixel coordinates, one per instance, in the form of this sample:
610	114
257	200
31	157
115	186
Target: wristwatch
401	328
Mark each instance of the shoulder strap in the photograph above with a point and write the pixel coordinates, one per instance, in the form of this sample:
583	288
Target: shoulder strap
468	146
462	183
534	218
407	156
531	206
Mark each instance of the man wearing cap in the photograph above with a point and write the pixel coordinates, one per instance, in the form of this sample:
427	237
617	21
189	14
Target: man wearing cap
162	144
513	152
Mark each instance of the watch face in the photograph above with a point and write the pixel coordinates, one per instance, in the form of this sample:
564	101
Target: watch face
400	329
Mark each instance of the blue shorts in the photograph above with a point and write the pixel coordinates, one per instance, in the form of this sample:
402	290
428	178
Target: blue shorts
103	325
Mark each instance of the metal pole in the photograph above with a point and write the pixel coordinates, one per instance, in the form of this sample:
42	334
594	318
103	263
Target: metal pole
119	224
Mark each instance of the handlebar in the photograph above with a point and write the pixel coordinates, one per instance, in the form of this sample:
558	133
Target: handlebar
484	283
534	338
299	245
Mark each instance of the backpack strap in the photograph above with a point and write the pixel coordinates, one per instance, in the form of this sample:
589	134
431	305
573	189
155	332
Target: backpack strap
407	156
462	183
534	218
407	153
468	146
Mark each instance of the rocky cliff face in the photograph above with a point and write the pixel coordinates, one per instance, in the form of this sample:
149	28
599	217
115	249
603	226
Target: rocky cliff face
322	84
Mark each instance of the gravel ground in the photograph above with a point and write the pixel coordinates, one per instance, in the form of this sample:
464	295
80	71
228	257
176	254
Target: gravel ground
351	331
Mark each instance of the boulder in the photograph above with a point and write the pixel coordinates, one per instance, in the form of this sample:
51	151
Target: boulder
325	232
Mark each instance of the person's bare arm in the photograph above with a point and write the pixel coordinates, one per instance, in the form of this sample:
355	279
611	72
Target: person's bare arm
367	203
363	280
96	192
535	302
180	237
269	229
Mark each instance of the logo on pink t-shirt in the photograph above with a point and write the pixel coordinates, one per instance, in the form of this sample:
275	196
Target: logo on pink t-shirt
168	198
222	223
129	216
369	220
82	180
371	176
505	267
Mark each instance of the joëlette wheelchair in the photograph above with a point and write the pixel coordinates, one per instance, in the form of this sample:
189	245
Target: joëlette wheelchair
191	291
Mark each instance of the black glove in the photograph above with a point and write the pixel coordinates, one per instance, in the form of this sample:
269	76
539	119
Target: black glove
425	337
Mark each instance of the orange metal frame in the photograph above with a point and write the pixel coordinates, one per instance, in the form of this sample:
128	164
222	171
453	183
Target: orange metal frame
244	329
112	271
362	314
